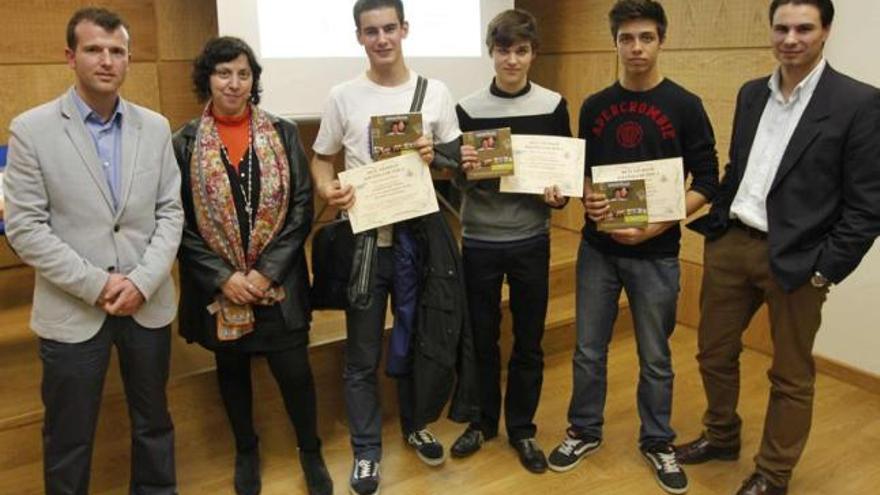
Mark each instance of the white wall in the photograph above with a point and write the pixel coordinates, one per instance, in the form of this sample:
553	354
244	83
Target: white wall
851	318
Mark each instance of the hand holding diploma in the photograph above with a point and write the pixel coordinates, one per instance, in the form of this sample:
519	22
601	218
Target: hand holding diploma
389	191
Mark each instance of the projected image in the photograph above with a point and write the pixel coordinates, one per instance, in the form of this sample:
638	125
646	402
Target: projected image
450	28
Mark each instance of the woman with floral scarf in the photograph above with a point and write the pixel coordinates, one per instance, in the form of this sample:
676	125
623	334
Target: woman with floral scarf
247	196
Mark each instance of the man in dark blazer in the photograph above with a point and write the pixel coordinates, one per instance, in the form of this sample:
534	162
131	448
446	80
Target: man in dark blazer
798	208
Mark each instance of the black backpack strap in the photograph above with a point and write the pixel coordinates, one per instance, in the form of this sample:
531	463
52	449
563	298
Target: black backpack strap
419	95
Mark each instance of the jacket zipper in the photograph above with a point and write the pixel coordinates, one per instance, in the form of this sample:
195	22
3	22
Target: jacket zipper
368	261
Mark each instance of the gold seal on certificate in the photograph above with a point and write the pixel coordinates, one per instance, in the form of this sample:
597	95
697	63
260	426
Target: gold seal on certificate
627	202
494	152
391	135
664	185
544	161
389	191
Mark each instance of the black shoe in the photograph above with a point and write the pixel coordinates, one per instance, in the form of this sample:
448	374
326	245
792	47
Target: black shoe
247	472
364	477
700	451
429	450
530	455
757	484
318	479
661	459
469	442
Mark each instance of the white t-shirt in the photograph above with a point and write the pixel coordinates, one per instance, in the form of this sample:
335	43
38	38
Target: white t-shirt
345	123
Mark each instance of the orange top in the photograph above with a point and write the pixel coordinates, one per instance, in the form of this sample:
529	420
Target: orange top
233	133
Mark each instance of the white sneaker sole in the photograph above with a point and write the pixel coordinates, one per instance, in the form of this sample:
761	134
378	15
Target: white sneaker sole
352	492
432	462
668	489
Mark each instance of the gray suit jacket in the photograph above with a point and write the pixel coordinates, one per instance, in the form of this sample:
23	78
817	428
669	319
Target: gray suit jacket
60	217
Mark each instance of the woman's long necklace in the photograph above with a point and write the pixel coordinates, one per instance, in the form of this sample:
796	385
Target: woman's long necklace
246	194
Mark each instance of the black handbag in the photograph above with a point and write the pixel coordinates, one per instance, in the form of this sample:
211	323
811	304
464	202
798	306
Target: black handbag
333	247
332	252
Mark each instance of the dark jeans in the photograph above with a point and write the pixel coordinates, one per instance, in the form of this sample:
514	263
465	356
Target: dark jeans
292	373
73	379
363	350
652	287
526	266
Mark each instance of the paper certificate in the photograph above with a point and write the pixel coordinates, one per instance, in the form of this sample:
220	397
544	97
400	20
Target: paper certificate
664	184
543	161
389	191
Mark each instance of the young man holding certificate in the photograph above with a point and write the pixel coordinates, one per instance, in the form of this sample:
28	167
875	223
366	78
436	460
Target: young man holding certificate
387	87
641	117
508	235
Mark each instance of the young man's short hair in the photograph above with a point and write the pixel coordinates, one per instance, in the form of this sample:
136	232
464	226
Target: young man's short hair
631	10
512	26
362	6
826	9
110	21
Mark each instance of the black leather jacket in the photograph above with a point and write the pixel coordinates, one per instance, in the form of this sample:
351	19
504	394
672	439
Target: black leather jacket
202	271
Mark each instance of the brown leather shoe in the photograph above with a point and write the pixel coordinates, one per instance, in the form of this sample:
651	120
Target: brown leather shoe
700	451
757	484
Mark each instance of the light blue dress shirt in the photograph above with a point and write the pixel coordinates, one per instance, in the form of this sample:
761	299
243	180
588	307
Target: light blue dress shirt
107	137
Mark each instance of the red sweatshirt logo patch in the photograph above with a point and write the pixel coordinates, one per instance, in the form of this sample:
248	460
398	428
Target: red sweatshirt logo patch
630	134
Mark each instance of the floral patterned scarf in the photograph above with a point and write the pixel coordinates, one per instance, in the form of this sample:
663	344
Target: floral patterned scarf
215	212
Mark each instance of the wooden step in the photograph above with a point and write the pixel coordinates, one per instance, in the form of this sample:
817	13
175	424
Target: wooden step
19	359
204	440
195	404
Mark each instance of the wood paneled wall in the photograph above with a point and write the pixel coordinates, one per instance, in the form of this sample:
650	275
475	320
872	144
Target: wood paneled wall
712	47
165	36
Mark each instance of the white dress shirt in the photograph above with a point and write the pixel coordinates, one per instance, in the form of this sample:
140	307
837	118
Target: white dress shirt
778	122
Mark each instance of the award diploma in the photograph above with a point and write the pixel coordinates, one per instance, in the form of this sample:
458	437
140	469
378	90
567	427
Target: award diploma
389	191
544	161
664	185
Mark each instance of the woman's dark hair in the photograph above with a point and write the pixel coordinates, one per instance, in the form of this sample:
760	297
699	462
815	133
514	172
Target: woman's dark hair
218	51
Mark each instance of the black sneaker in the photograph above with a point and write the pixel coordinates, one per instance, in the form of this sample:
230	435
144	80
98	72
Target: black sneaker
364	477
570	452
469	442
662	461
429	450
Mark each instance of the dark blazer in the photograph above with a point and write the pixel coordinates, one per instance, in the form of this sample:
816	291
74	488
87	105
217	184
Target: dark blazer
202	271
823	208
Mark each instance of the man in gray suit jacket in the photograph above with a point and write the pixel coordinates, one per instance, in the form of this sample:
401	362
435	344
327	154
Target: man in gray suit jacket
92	191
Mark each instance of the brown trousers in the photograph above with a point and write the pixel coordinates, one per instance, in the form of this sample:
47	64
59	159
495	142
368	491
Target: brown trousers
736	281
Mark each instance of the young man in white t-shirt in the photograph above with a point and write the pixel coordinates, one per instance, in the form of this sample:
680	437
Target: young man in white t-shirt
387	87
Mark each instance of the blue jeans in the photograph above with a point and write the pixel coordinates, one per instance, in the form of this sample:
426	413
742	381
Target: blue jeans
651	286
